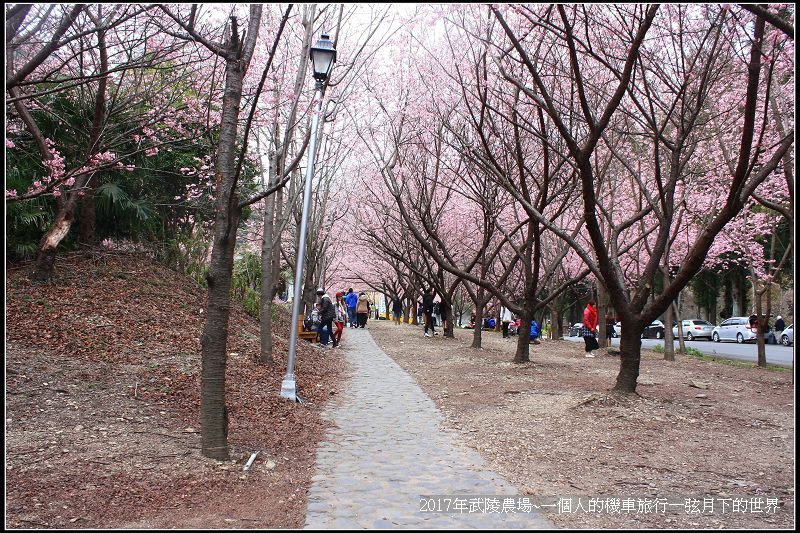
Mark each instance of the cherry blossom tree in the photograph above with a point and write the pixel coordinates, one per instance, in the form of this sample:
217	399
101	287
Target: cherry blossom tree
668	82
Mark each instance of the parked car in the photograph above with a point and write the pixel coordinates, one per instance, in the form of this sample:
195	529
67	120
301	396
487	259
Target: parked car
736	328
654	331
787	335
575	329
694	328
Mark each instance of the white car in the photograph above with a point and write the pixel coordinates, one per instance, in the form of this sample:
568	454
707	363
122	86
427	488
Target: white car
694	328
787	335
736	328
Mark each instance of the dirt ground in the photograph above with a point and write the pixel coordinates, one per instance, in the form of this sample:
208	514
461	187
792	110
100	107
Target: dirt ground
553	428
102	406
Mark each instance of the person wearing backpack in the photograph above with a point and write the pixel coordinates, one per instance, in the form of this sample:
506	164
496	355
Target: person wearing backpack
327	312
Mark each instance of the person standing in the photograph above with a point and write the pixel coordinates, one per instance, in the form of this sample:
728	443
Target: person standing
362	310
427	310
397	309
780	325
445	312
327	313
352	300
534	338
589	328
505	318
609	328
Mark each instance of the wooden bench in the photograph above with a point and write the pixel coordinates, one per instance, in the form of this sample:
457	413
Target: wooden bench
310	336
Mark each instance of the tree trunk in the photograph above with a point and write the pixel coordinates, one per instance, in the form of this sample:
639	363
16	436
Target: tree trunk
65	216
669	343
522	355
213	410
214	340
555	324
267	274
761	320
477	331
448	331
630	347
602	306
46	257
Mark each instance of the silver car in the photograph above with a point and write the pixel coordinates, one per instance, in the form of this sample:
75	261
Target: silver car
736	328
694	328
787	335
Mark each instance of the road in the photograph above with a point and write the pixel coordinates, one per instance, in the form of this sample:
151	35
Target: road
776	354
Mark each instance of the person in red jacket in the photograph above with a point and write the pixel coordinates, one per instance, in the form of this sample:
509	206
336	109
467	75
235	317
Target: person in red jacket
590	327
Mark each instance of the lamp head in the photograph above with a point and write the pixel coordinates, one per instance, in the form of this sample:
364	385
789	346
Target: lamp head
323	56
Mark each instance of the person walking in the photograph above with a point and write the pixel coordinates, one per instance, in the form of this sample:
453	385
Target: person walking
427	310
609	328
327	313
341	317
352	300
780	325
362	310
589	328
397	309
505	318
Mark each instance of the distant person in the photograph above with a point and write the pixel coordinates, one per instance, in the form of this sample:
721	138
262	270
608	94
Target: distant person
427	310
362	310
780	325
609	327
327	314
589	328
445	313
437	314
397	309
419	312
534	338
341	318
351	300
505	318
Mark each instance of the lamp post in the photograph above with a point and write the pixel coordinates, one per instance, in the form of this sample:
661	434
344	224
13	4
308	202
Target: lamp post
323	56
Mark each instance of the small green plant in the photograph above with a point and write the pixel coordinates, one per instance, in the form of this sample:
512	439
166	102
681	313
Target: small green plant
658	348
694	352
251	302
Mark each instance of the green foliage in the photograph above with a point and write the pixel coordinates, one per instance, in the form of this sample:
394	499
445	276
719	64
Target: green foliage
705	286
246	282
188	253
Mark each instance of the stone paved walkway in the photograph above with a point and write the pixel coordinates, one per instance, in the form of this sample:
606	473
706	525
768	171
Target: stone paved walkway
387	450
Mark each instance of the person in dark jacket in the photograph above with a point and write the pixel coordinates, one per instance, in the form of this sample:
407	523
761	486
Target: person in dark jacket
427	309
780	325
397	309
327	312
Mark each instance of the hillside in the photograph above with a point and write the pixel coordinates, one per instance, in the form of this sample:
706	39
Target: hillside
102	405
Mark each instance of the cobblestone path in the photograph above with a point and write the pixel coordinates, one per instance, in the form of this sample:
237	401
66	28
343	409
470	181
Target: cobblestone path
387	450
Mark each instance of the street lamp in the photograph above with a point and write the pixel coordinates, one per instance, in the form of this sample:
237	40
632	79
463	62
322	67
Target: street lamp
323	56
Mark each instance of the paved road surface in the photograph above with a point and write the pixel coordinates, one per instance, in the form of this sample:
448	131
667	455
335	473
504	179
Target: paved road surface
387	449
776	354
